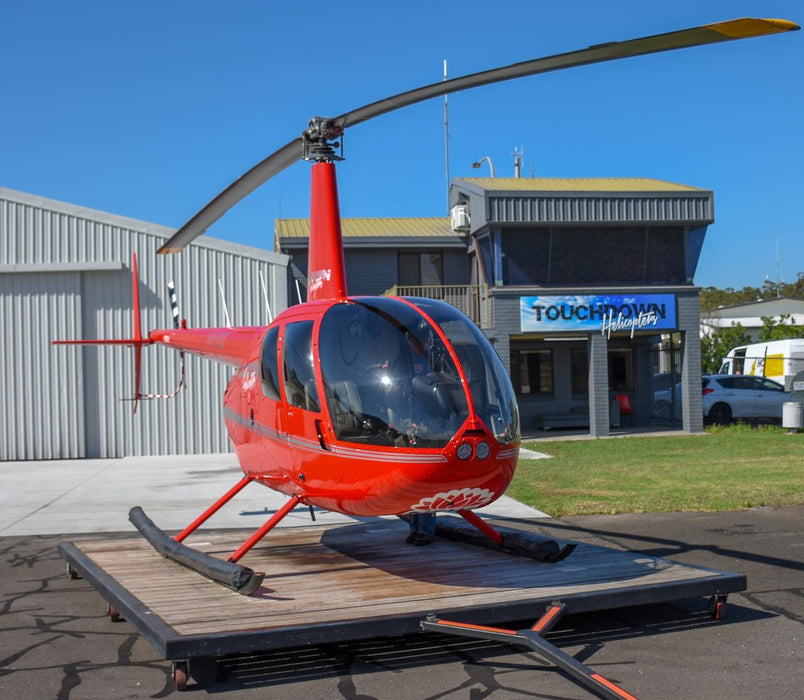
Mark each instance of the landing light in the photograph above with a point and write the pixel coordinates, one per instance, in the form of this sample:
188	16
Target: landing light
483	450
464	451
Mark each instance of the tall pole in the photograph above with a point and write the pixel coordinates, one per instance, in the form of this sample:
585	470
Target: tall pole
446	135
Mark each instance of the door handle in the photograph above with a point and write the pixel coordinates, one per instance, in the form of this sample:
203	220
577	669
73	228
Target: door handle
319	430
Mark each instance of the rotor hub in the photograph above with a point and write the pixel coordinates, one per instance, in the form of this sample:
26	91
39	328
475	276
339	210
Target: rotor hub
323	140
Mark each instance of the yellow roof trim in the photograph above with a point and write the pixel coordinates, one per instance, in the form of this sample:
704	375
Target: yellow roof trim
401	227
583	184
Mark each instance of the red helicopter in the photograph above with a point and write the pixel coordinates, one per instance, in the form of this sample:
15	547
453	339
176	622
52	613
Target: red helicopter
368	406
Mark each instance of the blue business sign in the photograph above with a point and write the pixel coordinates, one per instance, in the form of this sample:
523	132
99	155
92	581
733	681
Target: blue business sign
605	313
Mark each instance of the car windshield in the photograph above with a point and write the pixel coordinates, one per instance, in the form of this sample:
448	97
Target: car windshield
388	377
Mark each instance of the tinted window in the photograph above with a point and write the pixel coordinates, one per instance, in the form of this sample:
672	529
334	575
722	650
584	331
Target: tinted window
297	349
745	383
270	367
770	385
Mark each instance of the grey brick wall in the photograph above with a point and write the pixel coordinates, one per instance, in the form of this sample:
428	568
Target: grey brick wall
689	323
370	272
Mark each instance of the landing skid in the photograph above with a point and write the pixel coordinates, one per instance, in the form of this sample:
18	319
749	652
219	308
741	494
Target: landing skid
522	544
235	576
229	573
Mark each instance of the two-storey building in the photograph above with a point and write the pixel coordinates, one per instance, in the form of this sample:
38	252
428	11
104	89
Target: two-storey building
585	287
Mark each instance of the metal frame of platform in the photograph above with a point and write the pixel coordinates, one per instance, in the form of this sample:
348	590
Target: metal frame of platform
360	581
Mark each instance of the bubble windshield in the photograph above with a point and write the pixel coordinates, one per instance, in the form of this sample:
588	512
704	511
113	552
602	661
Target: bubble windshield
492	393
388	377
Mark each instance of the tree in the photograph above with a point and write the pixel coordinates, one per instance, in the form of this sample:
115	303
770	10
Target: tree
779	330
714	348
712	298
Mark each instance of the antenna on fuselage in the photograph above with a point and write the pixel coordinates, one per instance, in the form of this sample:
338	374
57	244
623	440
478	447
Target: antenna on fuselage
225	308
265	294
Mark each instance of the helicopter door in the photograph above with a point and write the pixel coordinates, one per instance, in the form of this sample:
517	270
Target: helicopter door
302	404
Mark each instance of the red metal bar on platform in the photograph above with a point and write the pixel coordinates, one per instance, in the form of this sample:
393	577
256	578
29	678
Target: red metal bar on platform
214	508
547	621
265	529
481	525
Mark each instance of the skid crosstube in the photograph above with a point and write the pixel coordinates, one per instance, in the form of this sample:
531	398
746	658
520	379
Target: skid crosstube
533	638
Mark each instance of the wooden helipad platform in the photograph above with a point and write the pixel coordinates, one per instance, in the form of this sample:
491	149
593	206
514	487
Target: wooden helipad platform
357	581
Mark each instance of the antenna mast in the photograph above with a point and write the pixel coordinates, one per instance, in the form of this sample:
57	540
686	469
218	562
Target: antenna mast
518	162
446	134
778	281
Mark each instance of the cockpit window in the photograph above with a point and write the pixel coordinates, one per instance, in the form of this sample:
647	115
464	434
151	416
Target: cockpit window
389	378
269	372
297	351
492	394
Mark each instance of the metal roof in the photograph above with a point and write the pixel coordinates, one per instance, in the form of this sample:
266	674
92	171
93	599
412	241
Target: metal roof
372	228
571	184
35	253
611	200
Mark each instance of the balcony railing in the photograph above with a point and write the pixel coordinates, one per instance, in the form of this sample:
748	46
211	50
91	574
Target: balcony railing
472	299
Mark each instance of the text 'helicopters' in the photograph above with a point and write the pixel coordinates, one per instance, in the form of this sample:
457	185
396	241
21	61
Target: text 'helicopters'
368	405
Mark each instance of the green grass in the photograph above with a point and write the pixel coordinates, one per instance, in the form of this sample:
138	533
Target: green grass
723	469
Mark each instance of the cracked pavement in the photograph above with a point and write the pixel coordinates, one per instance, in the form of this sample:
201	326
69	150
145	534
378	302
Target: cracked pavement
57	641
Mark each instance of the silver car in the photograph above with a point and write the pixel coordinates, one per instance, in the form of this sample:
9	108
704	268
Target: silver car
727	397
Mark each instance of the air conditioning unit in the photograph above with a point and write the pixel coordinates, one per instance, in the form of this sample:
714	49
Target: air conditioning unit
460	217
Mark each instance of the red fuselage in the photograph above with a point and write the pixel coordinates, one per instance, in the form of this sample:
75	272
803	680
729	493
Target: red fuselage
390	432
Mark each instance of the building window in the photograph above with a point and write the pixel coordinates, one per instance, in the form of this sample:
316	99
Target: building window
621	369
533	371
579	370
420	269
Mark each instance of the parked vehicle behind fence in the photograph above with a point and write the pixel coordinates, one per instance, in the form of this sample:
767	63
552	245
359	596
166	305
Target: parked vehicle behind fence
778	360
736	396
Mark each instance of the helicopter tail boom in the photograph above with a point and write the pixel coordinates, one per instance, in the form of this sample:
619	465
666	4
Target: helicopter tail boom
232	346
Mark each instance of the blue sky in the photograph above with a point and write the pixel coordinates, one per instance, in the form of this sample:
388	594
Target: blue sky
149	109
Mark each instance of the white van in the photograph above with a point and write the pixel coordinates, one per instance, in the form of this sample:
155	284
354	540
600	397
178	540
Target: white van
779	360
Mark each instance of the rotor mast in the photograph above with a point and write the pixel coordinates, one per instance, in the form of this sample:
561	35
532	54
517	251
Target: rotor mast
326	270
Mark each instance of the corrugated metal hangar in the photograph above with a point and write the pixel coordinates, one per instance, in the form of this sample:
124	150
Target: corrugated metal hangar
65	273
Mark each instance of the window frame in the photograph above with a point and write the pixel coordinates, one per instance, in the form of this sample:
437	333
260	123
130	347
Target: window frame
519	364
419	267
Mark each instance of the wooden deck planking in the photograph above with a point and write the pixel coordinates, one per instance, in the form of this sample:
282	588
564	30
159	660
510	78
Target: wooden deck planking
338	574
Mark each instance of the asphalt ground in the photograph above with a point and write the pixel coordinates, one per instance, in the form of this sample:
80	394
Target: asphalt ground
57	641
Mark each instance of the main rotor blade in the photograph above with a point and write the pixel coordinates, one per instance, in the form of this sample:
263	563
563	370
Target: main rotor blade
681	39
290	153
244	185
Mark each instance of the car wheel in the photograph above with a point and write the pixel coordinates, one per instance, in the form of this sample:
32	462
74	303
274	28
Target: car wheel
720	414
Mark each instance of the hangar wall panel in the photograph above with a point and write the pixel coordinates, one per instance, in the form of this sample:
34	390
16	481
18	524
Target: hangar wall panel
40	388
65	272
